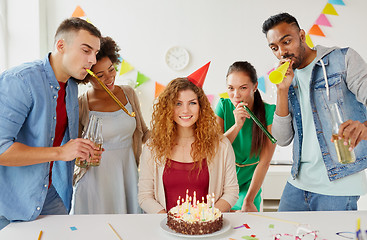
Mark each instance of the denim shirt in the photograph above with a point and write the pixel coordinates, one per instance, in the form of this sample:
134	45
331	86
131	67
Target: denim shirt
337	89
28	99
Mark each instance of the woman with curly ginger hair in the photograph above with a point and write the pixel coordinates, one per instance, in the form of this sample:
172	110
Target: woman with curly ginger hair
110	188
185	151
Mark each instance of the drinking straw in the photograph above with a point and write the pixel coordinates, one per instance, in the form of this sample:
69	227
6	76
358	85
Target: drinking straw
132	114
115	231
256	120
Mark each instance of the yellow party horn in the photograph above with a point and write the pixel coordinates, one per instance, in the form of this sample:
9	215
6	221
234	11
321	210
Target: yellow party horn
278	74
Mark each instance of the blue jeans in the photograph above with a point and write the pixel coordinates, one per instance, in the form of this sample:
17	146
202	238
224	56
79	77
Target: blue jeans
295	199
3	222
53	205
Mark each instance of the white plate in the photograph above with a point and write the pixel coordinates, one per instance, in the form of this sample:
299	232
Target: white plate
226	226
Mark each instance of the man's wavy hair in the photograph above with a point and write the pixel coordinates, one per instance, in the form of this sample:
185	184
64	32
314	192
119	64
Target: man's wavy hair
164	128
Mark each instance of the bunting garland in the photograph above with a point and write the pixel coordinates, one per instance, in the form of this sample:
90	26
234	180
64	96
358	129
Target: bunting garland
315	30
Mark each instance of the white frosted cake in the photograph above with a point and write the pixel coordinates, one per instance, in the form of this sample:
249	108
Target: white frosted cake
194	219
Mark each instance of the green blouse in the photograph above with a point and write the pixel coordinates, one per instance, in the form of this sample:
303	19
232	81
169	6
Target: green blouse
242	146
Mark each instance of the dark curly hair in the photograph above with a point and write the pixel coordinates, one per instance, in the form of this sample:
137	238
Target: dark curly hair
110	49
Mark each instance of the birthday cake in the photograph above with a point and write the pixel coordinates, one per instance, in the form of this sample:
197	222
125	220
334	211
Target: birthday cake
194	219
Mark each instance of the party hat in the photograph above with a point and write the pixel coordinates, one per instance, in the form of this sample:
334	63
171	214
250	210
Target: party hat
198	77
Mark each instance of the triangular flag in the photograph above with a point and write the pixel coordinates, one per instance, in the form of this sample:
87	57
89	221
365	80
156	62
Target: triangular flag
125	67
261	84
315	30
158	89
78	12
309	41
223	95
140	79
322	20
337	2
210	97
329	9
198	77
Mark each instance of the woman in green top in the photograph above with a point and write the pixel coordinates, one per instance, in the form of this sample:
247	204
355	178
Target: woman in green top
252	148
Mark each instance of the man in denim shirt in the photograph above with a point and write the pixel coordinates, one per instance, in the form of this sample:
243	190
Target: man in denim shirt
316	79
39	126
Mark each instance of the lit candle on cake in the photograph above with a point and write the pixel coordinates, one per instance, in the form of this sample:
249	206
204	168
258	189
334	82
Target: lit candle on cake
207	201
178	204
194	200
213	204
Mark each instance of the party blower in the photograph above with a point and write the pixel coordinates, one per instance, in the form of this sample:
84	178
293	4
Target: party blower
278	74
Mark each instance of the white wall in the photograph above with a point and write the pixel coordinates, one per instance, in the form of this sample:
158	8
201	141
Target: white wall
23	30
211	30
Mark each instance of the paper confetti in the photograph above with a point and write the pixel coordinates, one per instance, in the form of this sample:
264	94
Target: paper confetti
249	238
73	228
243	225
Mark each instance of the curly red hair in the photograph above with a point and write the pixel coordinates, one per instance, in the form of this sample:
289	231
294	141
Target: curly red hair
164	129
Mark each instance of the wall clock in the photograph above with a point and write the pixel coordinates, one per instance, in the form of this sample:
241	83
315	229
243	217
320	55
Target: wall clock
177	58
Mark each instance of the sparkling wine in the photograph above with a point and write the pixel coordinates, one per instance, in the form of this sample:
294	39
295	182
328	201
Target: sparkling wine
94	162
344	155
81	163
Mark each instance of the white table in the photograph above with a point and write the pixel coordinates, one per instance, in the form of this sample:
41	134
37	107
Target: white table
144	226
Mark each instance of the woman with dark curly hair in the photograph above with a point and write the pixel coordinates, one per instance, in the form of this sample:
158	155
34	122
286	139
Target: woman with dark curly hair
112	186
185	151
